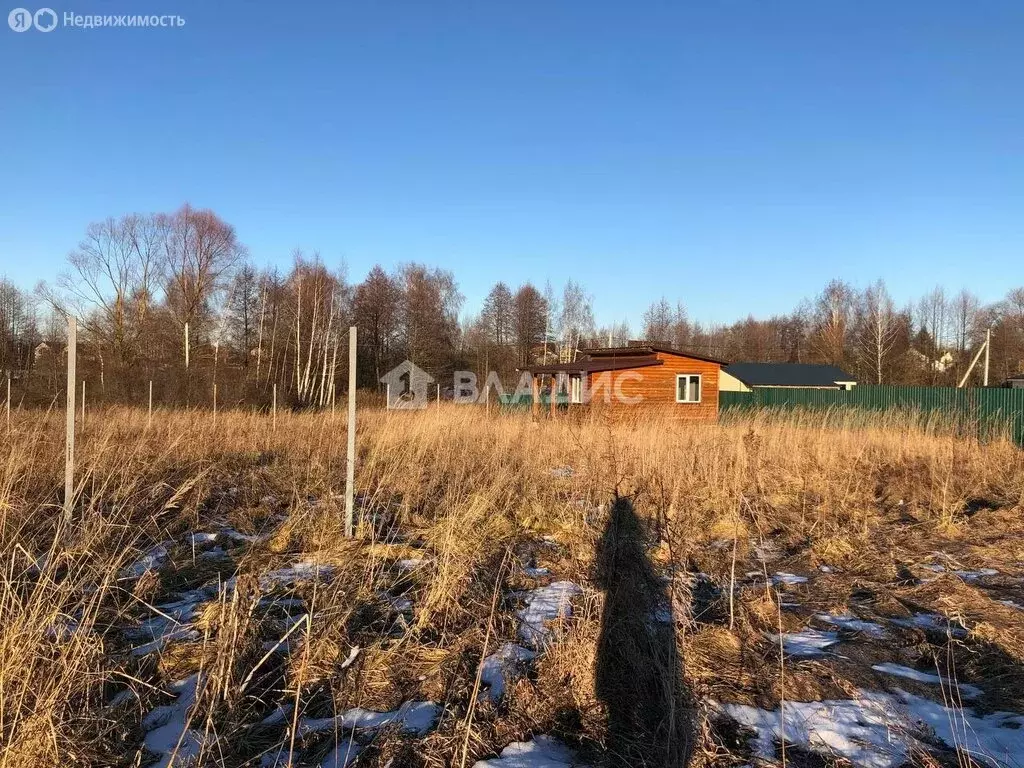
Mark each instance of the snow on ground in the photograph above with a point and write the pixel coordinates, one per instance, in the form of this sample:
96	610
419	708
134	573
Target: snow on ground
788	578
238	538
924	677
545	604
415	717
171	622
978	574
536	573
851	623
411	563
504	667
295	574
879	730
541	752
343	754
806	642
930	621
167	732
152	560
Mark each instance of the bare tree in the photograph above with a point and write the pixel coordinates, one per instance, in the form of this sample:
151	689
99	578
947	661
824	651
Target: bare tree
878	328
832	313
200	251
377	308
577	321
529	315
113	283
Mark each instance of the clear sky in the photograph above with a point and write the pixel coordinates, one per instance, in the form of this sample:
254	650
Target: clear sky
732	155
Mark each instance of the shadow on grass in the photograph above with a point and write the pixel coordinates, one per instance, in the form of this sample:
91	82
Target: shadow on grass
639	673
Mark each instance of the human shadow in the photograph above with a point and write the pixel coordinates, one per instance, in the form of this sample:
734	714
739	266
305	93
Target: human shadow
639	670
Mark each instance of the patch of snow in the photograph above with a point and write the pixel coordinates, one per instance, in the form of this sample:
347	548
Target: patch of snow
343	754
978	574
788	578
878	730
857	729
295	574
286	604
545	604
400	604
899	670
415	717
505	666
171	622
806	642
239	538
167	732
930	621
767	550
851	623
153	559
411	563
278	716
996	739
541	752
1012	604
536	573
200	539
825	568
213	554
177	634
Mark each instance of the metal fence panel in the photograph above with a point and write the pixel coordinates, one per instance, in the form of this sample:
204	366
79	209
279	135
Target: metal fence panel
984	412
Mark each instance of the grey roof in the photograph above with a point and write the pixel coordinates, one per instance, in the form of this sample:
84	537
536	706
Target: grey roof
787	374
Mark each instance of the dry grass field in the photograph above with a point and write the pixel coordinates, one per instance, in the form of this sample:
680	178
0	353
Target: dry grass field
569	593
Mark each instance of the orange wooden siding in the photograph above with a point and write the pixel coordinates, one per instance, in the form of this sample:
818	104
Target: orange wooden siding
655	386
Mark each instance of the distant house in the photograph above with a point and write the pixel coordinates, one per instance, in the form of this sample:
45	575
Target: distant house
45	348
681	384
743	377
1015	382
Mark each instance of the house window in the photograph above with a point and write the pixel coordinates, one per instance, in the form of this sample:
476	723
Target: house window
575	389
688	388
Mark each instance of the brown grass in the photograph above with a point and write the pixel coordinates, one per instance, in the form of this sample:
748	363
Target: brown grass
868	496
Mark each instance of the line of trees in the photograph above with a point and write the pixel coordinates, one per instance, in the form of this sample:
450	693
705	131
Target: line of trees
928	342
174	298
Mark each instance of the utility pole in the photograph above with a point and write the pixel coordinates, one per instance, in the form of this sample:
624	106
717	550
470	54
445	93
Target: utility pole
984	349
350	464
988	345
69	445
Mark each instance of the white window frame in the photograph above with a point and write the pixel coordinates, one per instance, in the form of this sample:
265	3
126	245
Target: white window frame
576	389
700	387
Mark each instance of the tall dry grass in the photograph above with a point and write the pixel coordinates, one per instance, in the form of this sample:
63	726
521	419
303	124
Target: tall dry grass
467	488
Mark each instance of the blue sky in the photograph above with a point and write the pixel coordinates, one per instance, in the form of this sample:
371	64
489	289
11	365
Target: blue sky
731	155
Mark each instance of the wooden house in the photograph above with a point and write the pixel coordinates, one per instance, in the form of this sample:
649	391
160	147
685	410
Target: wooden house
650	377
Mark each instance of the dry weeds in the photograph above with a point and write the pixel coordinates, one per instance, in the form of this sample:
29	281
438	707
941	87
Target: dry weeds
474	500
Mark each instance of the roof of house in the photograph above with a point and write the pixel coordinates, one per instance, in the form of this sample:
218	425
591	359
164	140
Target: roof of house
590	365
787	374
648	349
617	359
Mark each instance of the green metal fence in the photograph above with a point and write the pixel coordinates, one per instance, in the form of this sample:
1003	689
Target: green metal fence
513	401
981	411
